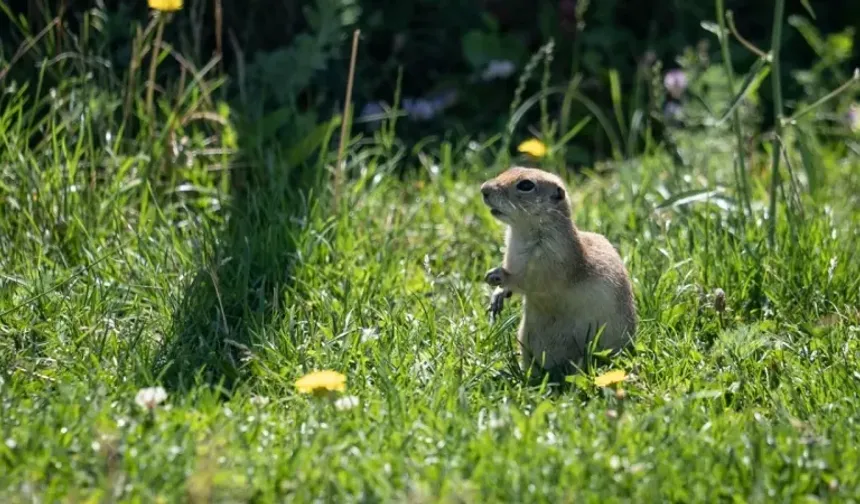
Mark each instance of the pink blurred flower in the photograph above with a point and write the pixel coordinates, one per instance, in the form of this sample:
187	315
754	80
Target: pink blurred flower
853	118
675	82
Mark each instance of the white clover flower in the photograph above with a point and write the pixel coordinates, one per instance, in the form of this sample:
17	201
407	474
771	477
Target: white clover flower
369	334
149	398
259	400
346	402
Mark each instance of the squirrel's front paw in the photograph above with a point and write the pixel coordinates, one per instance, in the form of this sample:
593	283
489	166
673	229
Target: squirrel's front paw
497	302
495	277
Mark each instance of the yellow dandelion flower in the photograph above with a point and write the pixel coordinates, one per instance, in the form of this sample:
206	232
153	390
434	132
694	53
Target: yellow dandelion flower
610	378
321	381
165	5
533	147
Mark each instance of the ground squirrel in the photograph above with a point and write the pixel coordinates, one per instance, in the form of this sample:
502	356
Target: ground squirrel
574	283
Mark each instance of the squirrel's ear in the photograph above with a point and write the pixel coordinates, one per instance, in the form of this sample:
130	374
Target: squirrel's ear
558	194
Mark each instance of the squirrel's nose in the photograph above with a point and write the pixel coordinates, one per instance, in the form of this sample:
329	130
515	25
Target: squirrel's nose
485	191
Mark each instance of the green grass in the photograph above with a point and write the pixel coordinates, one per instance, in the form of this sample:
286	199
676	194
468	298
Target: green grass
123	266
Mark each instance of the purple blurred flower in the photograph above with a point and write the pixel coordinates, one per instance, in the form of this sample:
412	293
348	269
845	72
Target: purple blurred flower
675	82
498	69
424	109
673	112
372	109
649	58
419	109
567	15
373	113
444	99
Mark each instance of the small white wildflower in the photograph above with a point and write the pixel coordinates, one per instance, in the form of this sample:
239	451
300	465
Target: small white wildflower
498	69
149	398
346	402
637	468
299	220
832	268
489	421
369	334
259	400
11	444
548	438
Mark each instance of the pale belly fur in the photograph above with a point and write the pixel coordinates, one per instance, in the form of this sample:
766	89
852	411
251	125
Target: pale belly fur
558	327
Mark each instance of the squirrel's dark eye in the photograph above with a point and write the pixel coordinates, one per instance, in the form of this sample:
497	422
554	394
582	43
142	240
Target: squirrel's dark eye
525	185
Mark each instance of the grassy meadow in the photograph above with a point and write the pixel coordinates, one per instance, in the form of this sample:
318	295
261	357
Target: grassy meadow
166	247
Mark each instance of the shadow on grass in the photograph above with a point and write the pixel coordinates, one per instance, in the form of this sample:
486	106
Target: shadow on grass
245	267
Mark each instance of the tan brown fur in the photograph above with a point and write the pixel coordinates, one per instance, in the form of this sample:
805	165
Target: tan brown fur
573	282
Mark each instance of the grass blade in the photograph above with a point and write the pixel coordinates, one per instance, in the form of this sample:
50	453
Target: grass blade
754	78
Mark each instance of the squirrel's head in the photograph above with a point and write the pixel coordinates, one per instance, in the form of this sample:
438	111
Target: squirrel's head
522	196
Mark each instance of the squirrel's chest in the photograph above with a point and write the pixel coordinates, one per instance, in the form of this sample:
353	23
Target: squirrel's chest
517	257
535	267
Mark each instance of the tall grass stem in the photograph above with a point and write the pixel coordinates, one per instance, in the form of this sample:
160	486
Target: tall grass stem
847	85
737	127
338	169
776	41
153	64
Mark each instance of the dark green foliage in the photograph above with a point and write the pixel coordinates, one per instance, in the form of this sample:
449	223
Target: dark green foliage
287	59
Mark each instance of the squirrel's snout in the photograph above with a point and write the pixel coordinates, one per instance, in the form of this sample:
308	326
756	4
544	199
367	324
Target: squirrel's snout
485	192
